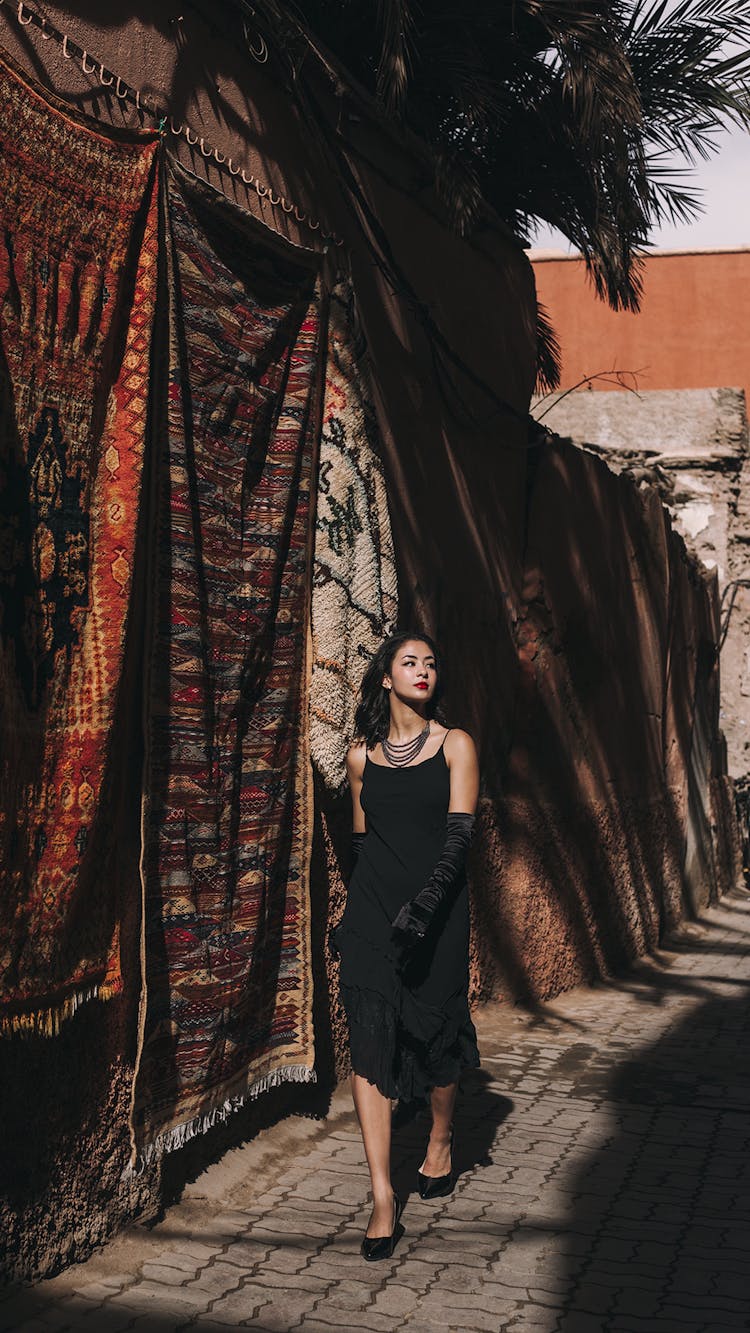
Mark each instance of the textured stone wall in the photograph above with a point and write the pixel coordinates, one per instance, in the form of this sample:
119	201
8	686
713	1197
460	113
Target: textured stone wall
692	446
618	816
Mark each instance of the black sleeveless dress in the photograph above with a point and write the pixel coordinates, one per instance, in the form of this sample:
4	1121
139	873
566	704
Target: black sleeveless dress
412	1032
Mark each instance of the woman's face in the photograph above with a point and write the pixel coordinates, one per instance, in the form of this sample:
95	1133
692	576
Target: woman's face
413	673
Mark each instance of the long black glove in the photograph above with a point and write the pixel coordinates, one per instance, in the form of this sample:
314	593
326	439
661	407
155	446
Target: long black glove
355	846
416	916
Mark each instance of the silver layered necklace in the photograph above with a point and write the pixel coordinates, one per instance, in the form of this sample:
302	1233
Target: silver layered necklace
401	755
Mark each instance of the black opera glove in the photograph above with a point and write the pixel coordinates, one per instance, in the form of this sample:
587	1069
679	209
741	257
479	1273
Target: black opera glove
355	846
416	916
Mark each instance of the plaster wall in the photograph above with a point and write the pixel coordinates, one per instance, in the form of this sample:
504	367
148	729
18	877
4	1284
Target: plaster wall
618	816
690	333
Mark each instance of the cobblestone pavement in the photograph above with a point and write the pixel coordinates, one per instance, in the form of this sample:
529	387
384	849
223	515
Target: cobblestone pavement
603	1157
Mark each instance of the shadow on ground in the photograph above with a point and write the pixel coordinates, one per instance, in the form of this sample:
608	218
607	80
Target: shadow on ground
480	1111
661	1214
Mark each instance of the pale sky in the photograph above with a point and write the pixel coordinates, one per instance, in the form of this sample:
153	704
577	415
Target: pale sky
725	182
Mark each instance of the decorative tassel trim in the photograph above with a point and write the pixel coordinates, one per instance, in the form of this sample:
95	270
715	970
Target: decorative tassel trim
173	1139
47	1022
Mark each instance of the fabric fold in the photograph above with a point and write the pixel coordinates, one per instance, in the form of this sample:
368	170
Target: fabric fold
406	1047
355	593
228	819
78	265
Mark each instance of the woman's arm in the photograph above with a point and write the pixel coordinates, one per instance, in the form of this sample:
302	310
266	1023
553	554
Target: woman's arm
463	766
355	767
416	917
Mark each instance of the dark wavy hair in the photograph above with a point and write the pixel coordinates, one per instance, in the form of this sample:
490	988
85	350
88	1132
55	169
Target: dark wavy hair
373	716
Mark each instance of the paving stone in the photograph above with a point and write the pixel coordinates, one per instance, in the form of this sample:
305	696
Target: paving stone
367	1319
238	1306
59	1320
280	1262
606	1201
182	1301
416	1271
198	1250
581	1321
28	1326
394	1300
166	1274
452	1320
246	1253
22	1306
636	1301
651	1324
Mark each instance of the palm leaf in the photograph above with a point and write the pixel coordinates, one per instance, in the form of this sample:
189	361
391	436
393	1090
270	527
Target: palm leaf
548	353
571	112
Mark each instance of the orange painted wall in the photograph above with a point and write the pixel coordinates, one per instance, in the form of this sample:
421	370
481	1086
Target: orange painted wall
692	332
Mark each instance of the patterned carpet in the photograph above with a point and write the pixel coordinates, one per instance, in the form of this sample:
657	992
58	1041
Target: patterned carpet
355	593
228	824
77	291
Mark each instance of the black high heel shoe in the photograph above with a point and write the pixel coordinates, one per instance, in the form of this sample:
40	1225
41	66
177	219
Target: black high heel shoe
382	1247
436	1187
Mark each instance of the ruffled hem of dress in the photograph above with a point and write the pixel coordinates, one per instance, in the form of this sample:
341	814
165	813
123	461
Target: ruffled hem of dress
398	1062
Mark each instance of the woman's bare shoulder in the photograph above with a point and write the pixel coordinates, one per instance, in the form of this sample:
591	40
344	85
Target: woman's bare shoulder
355	759
459	744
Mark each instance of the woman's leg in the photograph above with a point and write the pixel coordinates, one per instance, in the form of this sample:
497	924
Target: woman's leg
438	1159
374	1115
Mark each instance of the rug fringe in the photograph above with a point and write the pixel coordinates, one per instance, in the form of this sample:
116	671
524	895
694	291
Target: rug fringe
173	1139
47	1021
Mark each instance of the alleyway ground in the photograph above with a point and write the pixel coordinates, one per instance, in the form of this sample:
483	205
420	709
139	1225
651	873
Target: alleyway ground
603	1152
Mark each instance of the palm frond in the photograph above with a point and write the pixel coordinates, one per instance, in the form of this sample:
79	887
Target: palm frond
585	114
396	23
548	353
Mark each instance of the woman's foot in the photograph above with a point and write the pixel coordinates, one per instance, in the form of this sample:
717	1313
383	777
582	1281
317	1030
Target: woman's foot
382	1246
381	1217
438	1159
436	1178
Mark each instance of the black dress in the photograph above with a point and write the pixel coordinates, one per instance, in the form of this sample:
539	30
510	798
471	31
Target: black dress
413	1032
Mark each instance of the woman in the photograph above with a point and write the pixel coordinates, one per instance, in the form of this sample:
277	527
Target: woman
404	936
